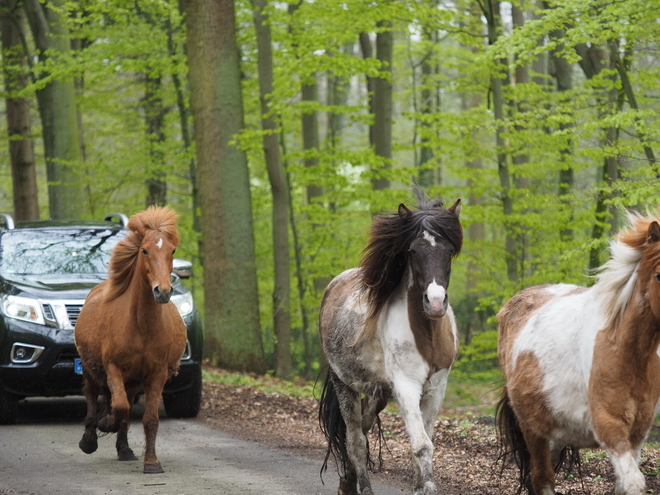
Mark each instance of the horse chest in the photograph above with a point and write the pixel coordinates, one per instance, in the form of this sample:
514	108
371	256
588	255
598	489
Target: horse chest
416	343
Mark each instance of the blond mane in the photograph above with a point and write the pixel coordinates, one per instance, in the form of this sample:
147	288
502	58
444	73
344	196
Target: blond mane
616	279
124	256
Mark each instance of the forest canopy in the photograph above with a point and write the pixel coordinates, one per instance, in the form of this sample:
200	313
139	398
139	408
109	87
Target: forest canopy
542	116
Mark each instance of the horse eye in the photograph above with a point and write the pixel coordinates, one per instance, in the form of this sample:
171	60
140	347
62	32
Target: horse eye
144	251
657	276
174	251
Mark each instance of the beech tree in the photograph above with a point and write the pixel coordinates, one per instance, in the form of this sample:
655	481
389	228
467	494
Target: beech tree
21	146
544	122
280	194
56	97
231	322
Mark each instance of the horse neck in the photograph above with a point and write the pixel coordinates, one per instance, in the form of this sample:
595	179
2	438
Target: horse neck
637	333
434	338
143	302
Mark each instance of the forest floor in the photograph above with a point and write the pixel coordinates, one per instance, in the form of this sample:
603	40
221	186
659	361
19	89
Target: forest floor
466	449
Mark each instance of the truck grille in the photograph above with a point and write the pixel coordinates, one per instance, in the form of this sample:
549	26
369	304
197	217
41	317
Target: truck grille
73	311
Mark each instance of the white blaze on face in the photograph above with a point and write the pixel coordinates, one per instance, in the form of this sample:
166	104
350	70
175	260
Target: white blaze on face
428	237
436	294
159	244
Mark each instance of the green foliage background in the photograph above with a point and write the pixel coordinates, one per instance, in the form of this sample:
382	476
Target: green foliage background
124	41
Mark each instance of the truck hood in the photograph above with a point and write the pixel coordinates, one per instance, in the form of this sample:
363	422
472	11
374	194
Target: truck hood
54	286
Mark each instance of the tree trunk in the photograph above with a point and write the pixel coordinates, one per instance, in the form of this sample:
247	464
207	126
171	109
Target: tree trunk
492	14
562	71
154	114
21	146
57	107
233	337
632	101
383	104
311	147
280	193
592	62
428	175
519	107
368	52
186	134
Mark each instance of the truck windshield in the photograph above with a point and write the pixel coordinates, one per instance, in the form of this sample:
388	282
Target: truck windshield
60	251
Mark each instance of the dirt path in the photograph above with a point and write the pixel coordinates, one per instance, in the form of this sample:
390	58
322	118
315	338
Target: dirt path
40	456
466	447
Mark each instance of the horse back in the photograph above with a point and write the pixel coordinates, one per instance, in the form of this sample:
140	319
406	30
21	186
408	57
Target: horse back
513	317
342	312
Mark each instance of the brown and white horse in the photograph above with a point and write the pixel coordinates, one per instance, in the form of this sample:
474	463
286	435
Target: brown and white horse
129	334
388	331
581	365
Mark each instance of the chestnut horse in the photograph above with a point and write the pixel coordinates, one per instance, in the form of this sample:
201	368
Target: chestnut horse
388	331
582	367
130	336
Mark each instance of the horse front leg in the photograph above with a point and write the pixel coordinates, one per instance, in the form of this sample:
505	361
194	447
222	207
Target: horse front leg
433	395
150	421
120	408
408	395
124	452
614	434
89	441
356	442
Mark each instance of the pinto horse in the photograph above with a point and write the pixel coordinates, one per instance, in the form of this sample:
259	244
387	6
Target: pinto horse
388	331
582	367
130	336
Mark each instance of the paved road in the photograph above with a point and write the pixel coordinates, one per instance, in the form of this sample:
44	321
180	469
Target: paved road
40	456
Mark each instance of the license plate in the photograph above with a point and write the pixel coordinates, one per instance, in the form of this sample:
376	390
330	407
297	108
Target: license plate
77	366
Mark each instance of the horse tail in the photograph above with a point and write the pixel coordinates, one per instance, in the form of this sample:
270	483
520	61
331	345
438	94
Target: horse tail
512	442
332	425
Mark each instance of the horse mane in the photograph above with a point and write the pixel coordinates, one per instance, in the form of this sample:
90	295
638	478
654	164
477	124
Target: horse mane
616	279
385	257
125	254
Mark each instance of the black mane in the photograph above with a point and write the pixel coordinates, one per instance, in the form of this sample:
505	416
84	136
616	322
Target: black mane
385	257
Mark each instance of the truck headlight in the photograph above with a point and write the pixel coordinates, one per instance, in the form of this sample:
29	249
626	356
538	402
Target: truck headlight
22	308
184	303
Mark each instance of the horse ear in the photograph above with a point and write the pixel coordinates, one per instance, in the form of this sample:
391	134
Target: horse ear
136	225
404	211
456	207
653	234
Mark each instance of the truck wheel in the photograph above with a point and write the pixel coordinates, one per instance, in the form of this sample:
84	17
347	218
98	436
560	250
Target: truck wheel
185	403
8	408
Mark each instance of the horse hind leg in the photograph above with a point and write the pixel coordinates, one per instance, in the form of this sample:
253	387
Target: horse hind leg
356	442
89	441
340	416
371	407
542	470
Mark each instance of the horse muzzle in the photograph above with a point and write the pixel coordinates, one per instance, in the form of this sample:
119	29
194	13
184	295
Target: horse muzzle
162	297
436	301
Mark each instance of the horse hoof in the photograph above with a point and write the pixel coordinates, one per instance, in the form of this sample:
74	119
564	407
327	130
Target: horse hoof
428	489
88	446
153	468
126	455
